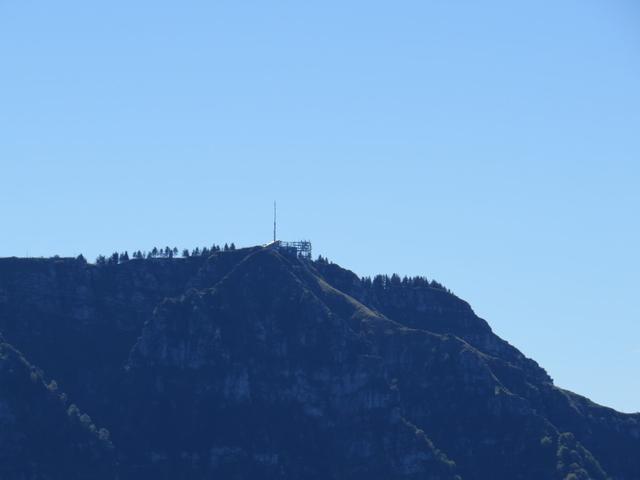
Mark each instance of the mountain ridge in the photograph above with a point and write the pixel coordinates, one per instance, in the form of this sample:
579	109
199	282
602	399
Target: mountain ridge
363	370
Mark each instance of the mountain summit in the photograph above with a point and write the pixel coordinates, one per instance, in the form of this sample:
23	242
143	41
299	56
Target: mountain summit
256	364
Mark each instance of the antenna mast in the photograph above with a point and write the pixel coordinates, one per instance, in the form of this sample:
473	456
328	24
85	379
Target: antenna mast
274	221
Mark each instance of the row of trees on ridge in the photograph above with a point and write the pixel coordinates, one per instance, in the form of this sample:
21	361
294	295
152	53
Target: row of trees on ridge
166	252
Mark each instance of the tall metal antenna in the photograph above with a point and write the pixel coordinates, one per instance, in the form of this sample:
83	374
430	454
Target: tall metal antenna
274	220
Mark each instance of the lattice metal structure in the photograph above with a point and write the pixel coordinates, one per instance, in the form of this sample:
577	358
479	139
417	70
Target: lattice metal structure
301	249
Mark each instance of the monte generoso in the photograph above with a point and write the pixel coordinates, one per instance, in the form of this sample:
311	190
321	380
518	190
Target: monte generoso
260	363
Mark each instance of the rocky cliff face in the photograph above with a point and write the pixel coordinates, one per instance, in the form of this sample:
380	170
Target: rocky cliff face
252	364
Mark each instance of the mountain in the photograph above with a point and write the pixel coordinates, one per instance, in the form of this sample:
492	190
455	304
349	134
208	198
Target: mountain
255	364
42	435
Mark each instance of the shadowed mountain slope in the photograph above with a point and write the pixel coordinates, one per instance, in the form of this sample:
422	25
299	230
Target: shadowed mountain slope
42	435
254	364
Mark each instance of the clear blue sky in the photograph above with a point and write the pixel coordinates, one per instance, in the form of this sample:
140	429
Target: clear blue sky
493	146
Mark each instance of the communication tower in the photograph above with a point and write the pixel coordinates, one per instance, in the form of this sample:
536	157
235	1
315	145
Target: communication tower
300	249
